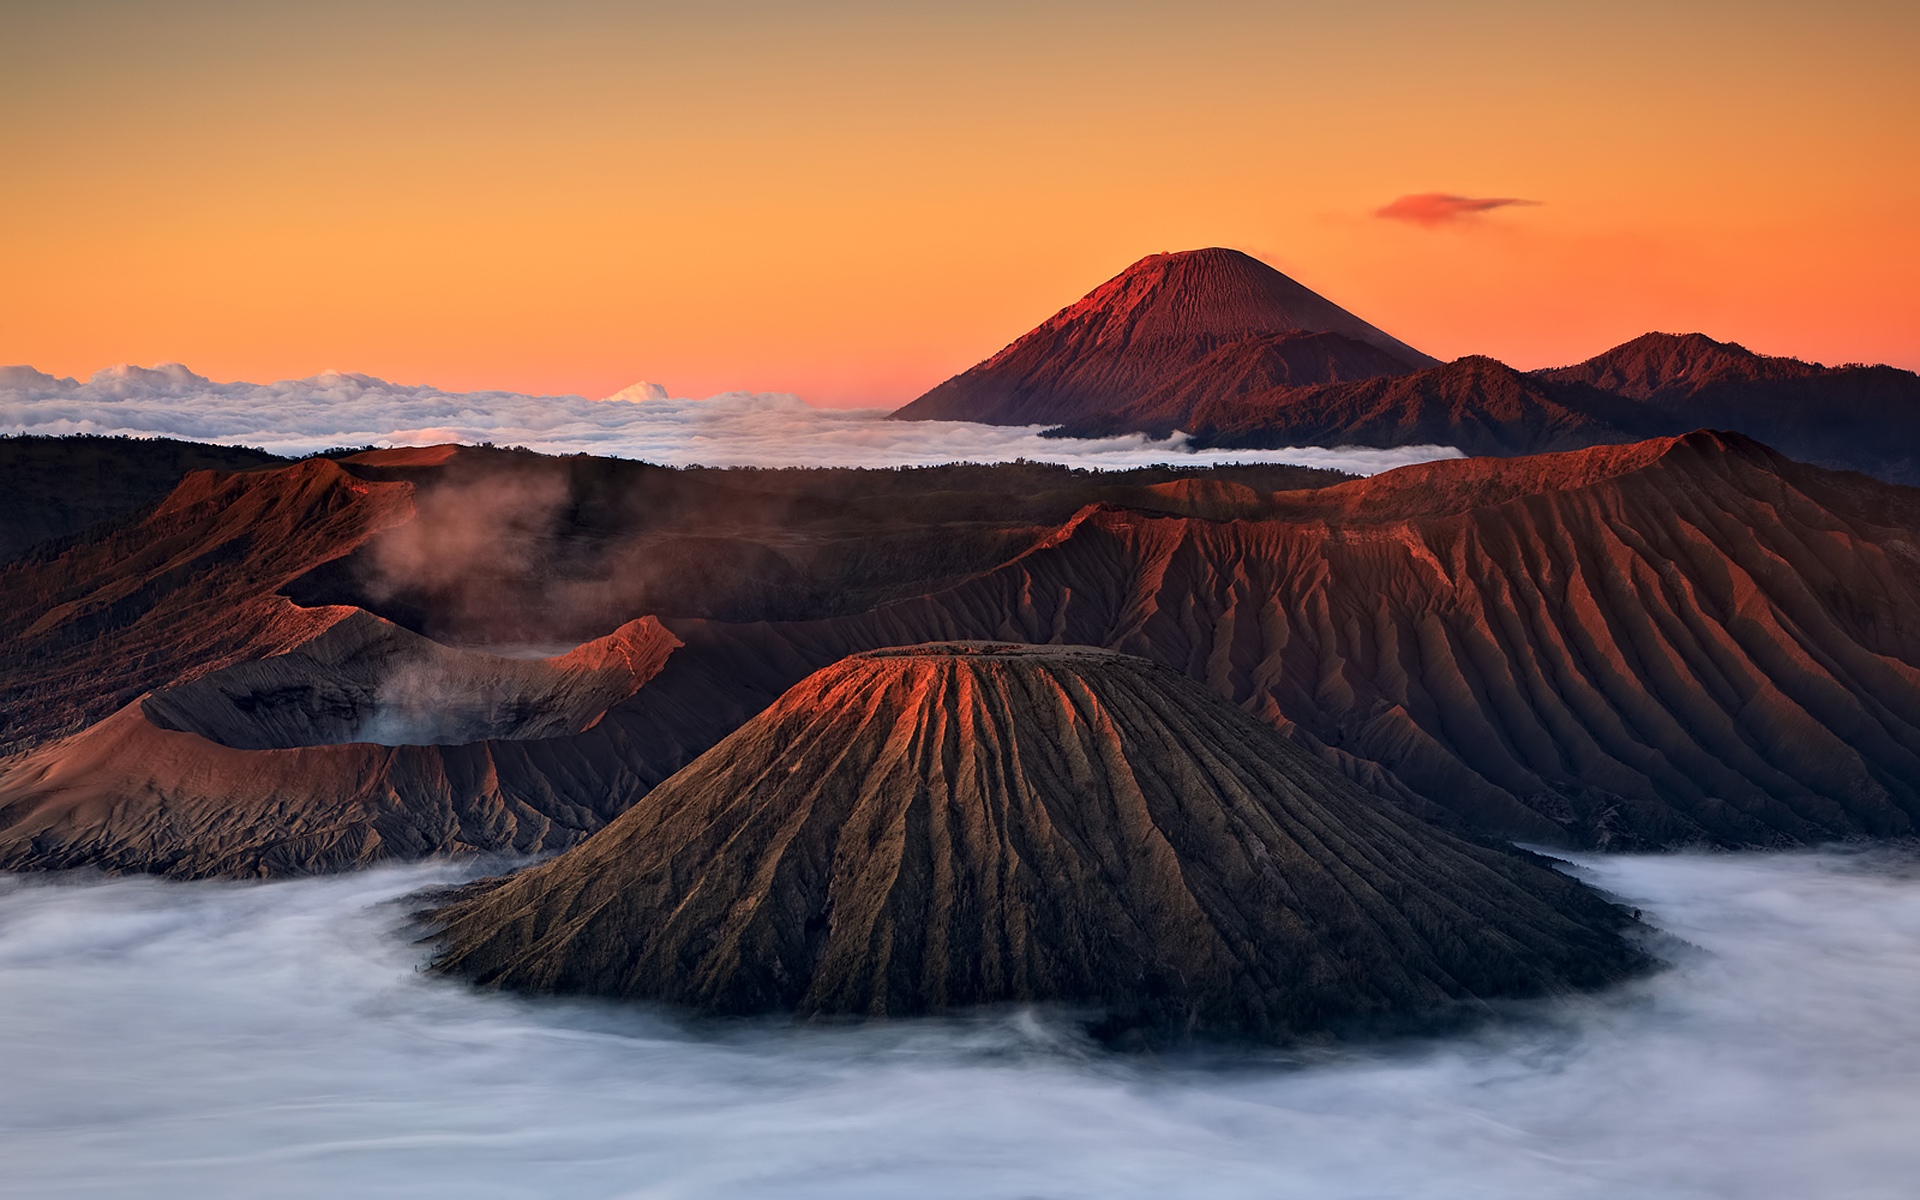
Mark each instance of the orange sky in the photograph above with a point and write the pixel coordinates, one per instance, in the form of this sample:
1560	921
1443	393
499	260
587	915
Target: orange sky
855	201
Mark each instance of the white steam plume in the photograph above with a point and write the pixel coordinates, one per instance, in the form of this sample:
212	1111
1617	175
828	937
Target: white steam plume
227	1040
301	416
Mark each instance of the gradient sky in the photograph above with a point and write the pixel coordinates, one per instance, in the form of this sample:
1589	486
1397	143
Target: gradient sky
852	201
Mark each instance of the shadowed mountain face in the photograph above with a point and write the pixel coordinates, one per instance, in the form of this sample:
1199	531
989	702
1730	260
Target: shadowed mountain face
939	827
55	487
1478	405
1861	418
1147	327
486	547
1679	641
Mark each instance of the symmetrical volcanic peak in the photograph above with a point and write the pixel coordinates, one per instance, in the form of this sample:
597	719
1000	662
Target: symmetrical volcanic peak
942	826
1142	329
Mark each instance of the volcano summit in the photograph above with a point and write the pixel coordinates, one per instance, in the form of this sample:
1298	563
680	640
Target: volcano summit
1155	322
943	826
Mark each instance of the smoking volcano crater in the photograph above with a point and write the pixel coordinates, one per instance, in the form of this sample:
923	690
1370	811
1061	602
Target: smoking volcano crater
367	680
944	826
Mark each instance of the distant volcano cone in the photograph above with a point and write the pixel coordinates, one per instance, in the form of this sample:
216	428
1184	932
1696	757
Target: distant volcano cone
938	827
1149	325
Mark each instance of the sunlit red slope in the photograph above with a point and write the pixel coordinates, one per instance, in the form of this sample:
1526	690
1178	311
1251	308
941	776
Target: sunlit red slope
938	827
1145	328
1680	640
85	628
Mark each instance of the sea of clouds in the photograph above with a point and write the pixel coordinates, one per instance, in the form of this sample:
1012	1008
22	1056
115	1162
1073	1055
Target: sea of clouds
247	1040
301	416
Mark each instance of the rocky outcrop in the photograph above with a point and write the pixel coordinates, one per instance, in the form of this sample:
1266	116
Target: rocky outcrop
1149	326
934	828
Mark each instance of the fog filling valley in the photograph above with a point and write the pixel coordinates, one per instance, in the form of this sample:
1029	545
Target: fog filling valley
220	1039
301	416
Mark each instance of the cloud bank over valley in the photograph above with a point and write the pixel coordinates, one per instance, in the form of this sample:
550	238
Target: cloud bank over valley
222	1039
297	417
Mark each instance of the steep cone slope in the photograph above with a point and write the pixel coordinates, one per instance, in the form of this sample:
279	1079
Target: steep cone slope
1857	417
937	827
1138	331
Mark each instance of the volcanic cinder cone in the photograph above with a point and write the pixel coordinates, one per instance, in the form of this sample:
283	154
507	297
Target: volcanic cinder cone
1148	326
943	826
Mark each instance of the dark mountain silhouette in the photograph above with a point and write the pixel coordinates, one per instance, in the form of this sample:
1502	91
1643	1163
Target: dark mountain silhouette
1148	326
1220	346
939	827
1478	405
1679	641
1857	417
53	487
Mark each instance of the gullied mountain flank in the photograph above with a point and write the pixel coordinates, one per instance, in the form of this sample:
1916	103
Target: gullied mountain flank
1148	326
1686	640
1857	417
1679	641
938	827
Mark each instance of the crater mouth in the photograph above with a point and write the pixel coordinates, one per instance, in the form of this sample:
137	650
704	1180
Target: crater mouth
367	680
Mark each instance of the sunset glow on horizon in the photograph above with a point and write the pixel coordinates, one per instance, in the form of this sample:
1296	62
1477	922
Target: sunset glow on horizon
853	202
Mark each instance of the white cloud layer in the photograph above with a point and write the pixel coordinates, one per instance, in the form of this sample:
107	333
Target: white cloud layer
301	416
230	1040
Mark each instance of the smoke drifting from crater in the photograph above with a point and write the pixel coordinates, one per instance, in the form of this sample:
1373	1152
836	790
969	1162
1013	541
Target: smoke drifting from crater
215	1040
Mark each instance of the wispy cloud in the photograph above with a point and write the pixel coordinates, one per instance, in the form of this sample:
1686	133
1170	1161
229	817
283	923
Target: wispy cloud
1434	209
300	416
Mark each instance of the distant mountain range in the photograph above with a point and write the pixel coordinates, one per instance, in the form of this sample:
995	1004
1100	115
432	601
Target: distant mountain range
1219	345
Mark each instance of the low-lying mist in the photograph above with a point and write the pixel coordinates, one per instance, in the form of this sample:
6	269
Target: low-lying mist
300	416
277	1040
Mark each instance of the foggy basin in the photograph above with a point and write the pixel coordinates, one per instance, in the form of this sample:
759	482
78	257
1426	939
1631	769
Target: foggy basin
167	1039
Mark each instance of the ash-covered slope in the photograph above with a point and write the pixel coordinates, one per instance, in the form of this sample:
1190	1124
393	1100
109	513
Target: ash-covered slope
1687	640
1144	329
1856	417
938	827
89	627
365	744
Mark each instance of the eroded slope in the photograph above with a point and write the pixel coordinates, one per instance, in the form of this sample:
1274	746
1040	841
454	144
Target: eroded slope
933	828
